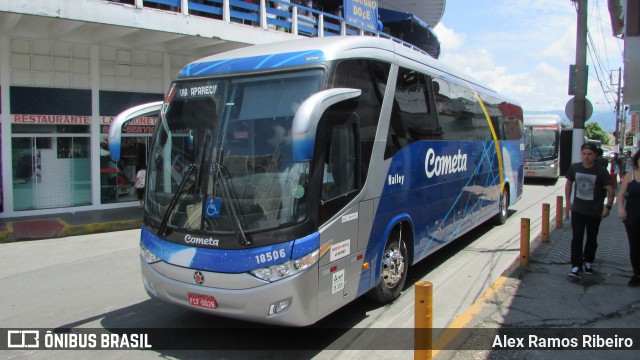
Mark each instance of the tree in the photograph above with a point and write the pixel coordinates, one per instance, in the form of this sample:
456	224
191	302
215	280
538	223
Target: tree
595	132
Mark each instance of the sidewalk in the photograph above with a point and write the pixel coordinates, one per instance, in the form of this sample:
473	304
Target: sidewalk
69	224
540	299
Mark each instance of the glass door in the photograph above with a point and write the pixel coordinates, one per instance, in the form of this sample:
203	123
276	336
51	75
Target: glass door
23	161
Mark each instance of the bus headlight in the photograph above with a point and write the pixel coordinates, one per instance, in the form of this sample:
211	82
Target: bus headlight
147	255
286	269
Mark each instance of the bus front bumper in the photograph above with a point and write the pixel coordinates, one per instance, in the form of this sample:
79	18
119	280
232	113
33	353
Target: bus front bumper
291	301
547	172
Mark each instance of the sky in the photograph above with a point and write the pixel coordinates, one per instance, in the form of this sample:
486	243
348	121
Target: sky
523	49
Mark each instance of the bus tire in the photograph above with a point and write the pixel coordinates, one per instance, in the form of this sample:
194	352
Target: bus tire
394	267
503	207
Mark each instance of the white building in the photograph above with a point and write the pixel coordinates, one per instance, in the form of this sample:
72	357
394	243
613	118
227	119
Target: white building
67	67
625	20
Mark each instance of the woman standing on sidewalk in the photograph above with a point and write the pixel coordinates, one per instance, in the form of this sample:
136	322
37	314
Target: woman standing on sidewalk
629	212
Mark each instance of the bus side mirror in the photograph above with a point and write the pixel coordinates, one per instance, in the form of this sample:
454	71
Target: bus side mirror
115	129
305	121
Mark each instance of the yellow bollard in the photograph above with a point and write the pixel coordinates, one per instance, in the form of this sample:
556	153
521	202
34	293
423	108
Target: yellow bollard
525	235
559	212
545	222
423	322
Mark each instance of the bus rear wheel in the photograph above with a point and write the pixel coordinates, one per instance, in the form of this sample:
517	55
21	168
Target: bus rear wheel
394	269
503	208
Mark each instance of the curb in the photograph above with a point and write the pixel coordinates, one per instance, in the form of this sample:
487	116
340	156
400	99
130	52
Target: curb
8	235
74	230
451	335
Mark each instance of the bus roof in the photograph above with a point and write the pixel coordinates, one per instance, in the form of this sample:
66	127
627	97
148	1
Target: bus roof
316	50
546	120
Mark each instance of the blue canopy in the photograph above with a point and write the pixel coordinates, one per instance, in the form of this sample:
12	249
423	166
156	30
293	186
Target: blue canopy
411	29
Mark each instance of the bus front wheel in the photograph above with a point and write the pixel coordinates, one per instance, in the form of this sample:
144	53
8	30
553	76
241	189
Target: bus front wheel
394	269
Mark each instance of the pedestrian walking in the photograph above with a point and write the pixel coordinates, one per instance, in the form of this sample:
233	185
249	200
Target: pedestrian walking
140	184
586	180
628	163
600	160
621	165
615	168
629	212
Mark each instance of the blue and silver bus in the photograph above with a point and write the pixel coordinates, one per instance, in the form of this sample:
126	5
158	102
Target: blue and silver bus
542	145
286	180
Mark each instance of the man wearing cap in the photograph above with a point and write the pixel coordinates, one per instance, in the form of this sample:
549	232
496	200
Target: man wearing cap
586	208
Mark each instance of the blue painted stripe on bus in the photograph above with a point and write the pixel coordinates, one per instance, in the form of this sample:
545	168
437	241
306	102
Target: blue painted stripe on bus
252	63
302	148
224	261
294	59
206	69
261	63
490	181
453	202
305	245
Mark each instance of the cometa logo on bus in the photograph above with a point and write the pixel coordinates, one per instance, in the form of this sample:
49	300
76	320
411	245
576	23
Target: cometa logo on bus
201	241
445	164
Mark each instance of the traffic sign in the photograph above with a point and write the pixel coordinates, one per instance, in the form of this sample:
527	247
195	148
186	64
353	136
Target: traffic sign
588	109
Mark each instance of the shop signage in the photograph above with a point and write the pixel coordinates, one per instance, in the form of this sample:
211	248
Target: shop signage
363	13
141	125
50	119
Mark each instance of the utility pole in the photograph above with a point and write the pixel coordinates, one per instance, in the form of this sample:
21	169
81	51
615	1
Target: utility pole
581	73
619	138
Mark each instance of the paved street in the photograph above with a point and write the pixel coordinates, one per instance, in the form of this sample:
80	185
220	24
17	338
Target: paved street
93	282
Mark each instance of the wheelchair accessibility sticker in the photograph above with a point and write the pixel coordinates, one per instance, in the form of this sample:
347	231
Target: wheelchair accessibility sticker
212	209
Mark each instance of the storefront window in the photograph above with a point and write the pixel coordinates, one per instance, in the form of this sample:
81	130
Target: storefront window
117	179
50	171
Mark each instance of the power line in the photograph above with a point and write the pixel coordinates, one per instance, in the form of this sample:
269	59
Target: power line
598	70
599	22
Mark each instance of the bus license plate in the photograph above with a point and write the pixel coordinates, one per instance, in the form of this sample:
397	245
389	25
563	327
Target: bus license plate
530	173
204	301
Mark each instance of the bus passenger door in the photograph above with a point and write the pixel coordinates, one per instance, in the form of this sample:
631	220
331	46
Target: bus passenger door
341	261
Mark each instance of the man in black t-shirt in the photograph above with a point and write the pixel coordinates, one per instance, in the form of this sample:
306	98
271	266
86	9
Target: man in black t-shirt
586	208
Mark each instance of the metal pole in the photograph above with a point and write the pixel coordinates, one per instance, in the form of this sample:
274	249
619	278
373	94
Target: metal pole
617	137
623	130
559	212
545	222
579	117
423	322
525	236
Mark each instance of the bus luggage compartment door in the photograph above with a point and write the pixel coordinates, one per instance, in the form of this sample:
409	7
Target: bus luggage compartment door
340	265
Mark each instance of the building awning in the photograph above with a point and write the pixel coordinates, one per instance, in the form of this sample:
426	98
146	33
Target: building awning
617	17
411	29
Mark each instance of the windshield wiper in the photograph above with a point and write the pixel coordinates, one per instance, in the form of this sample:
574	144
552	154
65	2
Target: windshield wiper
174	200
226	194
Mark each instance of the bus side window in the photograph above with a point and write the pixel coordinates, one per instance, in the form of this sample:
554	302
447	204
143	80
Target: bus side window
371	77
340	165
411	115
460	113
445	106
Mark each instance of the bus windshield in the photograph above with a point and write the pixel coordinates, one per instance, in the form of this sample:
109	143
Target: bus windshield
222	160
541	143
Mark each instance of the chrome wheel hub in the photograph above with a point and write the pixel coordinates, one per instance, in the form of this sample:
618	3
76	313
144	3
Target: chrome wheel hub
504	205
392	267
